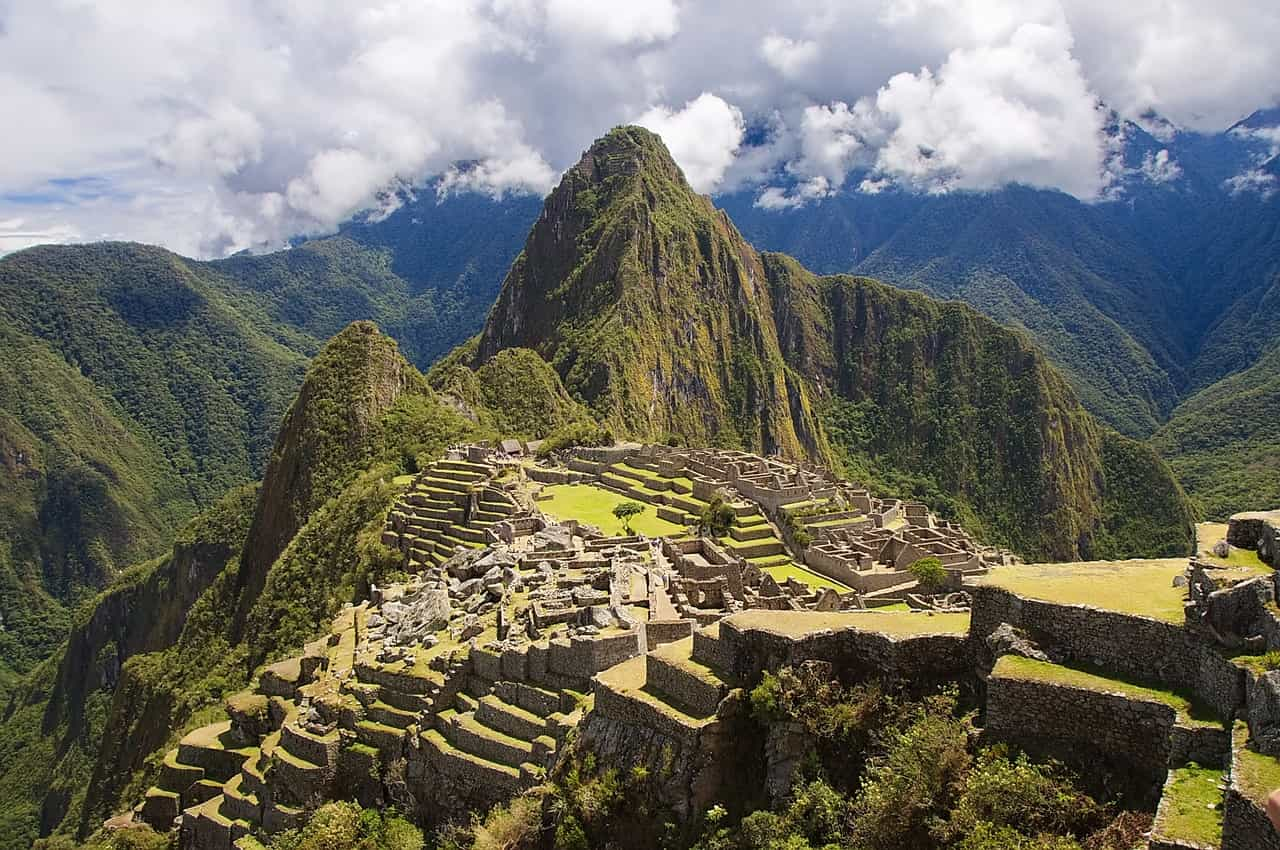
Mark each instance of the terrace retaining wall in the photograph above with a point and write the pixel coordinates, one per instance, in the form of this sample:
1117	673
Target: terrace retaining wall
1141	649
1119	743
921	660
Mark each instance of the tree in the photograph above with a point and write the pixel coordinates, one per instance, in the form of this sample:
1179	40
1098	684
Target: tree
929	572
625	511
716	518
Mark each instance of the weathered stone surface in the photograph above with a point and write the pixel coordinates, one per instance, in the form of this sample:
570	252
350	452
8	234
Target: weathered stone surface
1264	712
1007	640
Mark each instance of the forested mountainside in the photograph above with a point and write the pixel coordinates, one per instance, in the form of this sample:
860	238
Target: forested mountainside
657	313
160	646
1144	300
139	386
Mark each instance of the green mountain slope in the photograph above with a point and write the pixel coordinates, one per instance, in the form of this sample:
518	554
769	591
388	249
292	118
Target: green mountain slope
135	391
651	307
1037	260
1224	441
84	732
139	385
83	493
654	310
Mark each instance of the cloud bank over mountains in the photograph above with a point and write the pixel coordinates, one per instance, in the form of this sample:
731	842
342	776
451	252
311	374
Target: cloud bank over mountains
220	127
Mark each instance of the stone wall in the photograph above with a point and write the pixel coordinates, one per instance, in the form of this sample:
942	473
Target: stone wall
921	661
1141	649
1112	741
1258	532
658	632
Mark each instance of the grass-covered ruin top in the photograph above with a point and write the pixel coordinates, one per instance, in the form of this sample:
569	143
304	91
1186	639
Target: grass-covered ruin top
590	504
1141	587
1029	669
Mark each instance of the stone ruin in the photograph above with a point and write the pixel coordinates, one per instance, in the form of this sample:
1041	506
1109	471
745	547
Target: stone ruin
458	687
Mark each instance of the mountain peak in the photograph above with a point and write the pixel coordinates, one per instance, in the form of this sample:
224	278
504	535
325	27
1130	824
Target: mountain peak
626	151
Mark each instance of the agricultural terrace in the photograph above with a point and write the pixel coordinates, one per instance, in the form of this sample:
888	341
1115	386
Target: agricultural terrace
594	505
1191	810
1141	587
1029	669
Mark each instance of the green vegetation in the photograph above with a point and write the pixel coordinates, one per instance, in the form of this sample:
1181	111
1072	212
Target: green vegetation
346	826
595	505
1129	587
624	512
1264	663
929	572
1017	667
716	518
809	577
1256	774
886	772
1224	441
363	417
1191	809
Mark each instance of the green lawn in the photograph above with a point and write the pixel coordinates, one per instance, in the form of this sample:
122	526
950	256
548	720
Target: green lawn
809	577
1127	587
1192	808
594	505
896	606
1209	533
1029	669
1258	774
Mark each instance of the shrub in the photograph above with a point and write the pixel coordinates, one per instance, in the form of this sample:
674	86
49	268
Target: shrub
1271	659
929	572
509	827
716	518
1032	798
913	782
766	699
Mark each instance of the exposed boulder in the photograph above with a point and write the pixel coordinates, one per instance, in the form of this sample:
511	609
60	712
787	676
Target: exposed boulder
1008	640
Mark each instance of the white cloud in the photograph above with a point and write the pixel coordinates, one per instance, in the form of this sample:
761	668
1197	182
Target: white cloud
1159	167
703	137
16	235
217	127
787	56
1018	109
632	22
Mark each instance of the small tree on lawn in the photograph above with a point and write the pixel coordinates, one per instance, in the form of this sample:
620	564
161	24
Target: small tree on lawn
929	572
625	511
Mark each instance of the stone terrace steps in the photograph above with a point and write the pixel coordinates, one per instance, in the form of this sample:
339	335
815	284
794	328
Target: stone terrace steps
623	692
499	732
210	824
694	686
456	762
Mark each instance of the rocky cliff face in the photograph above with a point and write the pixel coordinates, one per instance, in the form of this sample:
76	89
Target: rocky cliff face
53	727
656	312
